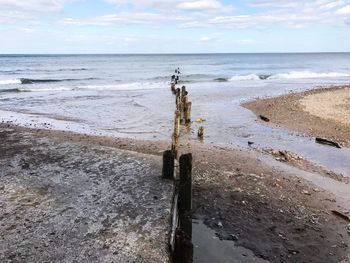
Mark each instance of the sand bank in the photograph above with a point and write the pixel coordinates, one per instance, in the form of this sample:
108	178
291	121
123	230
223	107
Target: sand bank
319	113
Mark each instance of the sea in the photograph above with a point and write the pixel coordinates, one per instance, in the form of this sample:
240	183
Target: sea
129	95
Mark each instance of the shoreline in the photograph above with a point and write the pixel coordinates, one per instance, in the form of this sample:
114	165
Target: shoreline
317	113
241	197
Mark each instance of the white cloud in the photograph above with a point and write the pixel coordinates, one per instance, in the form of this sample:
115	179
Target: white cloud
246	41
33	5
344	10
200	5
11	17
206	39
174	5
126	18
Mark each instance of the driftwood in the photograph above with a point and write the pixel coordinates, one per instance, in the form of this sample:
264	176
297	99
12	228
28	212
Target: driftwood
264	118
327	142
341	215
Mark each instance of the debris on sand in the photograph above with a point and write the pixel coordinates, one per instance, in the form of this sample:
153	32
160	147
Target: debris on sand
264	118
342	215
200	120
283	156
327	142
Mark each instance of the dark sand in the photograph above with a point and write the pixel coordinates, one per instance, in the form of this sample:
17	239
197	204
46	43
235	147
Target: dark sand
280	217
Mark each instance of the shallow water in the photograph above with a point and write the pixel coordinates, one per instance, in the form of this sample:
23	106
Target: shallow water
208	248
129	96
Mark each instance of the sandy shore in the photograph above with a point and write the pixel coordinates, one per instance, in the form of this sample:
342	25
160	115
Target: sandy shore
320	113
278	213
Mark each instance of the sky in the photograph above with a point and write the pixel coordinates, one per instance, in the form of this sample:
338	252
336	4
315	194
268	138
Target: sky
169	26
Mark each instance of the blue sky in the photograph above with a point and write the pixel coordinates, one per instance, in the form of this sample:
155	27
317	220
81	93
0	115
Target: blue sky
168	26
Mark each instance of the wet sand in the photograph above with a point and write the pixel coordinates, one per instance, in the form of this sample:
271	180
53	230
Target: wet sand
276	213
319	113
63	201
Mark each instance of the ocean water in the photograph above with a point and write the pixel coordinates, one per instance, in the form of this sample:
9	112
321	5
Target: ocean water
129	95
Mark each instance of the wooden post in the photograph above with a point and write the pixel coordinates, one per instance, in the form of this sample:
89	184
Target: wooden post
183	245
188	112
177	123
176	134
175	145
183	248
183	90
173	88
185	221
185	188
168	164
178	99
200	133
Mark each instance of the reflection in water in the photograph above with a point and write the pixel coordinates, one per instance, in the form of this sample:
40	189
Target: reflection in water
208	248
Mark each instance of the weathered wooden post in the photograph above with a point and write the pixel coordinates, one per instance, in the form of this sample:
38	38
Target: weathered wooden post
176	134
168	164
200	133
183	91
172	84
185	189
177	99
188	113
183	244
183	248
184	101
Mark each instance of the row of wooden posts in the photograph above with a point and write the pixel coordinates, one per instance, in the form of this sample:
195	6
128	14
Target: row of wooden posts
182	115
181	234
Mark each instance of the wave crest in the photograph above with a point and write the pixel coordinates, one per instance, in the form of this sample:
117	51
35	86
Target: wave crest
245	77
290	75
308	75
10	81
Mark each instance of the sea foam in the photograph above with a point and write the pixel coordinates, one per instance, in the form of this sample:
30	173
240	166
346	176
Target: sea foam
290	75
9	81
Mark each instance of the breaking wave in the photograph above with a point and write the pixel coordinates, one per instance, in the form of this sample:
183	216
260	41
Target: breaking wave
290	75
10	81
308	75
33	81
126	86
36	90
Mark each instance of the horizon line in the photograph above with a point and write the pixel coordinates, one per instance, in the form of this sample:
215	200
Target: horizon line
185	53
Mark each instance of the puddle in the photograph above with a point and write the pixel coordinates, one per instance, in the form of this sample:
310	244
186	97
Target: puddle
208	248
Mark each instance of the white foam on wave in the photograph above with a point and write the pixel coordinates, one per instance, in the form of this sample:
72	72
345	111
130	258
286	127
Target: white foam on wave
245	77
291	75
9	81
308	75
125	86
44	89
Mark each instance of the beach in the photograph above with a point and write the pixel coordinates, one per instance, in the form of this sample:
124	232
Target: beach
267	209
82	139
